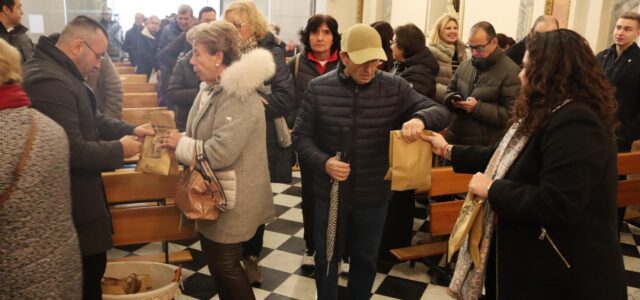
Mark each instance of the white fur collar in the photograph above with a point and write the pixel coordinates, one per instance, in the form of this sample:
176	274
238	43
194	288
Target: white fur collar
147	33
244	76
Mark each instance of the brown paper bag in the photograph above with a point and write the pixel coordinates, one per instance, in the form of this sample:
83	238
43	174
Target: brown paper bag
470	212
475	236
154	159
409	164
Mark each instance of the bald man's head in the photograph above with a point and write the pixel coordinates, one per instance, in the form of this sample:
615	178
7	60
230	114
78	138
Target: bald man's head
545	23
85	42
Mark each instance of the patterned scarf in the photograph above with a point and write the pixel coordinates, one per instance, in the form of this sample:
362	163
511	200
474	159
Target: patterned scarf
247	45
468	281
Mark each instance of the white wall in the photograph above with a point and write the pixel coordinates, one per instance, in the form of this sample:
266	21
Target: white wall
372	11
435	10
591	19
344	11
502	14
291	16
409	11
52	12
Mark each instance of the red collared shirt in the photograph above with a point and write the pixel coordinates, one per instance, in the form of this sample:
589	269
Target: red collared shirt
320	67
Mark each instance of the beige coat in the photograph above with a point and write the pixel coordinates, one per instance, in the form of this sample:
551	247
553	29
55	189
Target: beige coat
443	53
232	125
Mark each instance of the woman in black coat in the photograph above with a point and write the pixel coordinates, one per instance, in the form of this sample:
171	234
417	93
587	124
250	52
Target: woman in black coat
554	191
413	60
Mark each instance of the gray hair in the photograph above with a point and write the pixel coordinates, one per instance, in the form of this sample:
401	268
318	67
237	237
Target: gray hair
220	36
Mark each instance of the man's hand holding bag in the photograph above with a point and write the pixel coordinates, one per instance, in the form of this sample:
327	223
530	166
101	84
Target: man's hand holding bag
409	163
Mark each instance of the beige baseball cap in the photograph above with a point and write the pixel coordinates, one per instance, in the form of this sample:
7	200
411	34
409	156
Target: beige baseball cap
363	44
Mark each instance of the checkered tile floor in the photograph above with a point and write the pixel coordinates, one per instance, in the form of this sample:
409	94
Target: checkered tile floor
283	247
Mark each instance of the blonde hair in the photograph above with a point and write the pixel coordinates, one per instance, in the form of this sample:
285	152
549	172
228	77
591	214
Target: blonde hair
10	68
220	36
437	29
251	15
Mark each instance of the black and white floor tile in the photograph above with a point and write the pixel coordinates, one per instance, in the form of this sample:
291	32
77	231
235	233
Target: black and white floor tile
282	253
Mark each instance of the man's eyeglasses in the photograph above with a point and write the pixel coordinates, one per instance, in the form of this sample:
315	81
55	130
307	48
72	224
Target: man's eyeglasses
98	57
478	48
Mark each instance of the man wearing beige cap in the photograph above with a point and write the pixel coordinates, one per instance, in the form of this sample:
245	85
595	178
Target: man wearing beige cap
342	131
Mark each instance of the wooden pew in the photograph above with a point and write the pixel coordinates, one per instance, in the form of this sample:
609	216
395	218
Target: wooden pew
126	70
443	215
122	64
137	100
139	87
629	188
139	116
141	213
133	78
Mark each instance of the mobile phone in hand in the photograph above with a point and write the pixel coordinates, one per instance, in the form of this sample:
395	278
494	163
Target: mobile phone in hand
457	97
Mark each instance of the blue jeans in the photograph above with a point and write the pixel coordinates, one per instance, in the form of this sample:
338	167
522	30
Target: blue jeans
364	232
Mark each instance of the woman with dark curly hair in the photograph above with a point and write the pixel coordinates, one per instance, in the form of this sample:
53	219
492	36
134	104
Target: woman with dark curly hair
549	187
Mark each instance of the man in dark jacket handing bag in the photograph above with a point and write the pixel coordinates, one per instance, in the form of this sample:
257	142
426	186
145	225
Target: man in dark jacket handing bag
55	82
367	104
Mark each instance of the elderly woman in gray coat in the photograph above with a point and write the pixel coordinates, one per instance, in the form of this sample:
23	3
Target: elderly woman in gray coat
228	117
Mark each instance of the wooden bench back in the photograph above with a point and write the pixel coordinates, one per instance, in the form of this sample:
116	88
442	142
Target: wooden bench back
133	78
125	186
139	116
126	70
122	64
143	222
443	215
629	189
136	100
139	87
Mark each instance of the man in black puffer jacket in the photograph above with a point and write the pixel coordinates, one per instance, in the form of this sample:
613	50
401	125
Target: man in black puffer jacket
351	110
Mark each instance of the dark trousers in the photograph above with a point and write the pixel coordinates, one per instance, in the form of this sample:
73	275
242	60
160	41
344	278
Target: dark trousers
93	267
253	246
223	261
308	204
365	225
398	228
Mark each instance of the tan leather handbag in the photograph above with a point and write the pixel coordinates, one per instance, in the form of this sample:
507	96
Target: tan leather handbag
200	195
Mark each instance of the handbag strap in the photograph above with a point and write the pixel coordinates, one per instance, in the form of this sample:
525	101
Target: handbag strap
22	163
211	177
201	158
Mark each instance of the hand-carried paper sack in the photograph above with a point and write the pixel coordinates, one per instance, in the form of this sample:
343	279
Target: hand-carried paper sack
469	222
153	158
409	164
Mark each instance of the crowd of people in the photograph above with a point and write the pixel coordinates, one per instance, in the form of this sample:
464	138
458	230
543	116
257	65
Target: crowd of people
538	122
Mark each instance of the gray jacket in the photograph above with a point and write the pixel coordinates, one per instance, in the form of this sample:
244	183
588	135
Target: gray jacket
107	88
232	125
